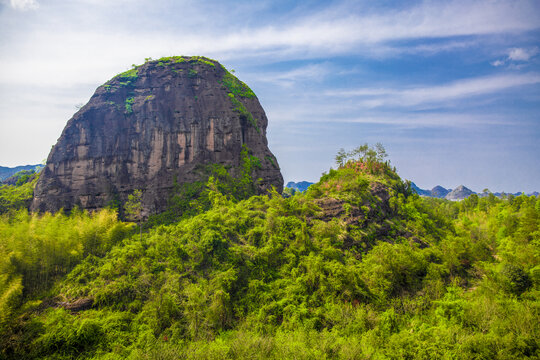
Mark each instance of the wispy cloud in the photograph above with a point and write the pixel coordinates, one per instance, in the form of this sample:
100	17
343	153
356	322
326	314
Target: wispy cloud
335	31
68	40
399	87
310	72
332	112
517	56
435	119
24	5
464	88
521	54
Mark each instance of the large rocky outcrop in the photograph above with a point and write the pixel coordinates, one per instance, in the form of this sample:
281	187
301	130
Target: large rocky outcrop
151	126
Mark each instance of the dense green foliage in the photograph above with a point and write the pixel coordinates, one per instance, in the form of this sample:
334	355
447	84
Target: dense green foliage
235	86
127	77
129	104
191	199
355	267
241	109
238	90
35	251
168	60
21	177
20	195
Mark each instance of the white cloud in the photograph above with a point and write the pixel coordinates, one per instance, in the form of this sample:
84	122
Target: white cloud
311	72
88	41
334	31
93	41
445	120
439	20
60	47
521	54
24	4
465	88
321	110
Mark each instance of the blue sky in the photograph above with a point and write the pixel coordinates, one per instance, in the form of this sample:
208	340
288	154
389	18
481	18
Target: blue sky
451	88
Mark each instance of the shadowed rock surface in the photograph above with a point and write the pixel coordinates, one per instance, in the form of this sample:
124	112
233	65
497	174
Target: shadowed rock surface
419	191
440	192
149	126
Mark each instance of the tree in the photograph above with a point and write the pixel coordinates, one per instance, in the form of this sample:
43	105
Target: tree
381	152
341	157
364	153
288	192
361	151
134	208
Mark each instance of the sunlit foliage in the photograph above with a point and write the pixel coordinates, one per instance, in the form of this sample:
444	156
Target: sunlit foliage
356	267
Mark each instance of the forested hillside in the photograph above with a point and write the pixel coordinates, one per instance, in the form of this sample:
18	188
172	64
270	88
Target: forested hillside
356	267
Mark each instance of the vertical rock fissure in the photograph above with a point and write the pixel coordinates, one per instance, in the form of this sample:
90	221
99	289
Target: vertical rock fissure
148	125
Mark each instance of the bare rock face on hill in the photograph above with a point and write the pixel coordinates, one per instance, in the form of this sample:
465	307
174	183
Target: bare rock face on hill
459	193
151	126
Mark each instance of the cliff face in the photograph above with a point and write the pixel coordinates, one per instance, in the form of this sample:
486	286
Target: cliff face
149	126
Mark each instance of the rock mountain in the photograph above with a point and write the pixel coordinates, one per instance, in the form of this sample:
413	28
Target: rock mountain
151	126
459	193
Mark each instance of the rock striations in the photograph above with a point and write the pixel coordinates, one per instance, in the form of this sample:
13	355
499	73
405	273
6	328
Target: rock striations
151	126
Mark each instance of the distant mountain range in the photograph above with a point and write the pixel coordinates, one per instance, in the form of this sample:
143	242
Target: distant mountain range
6	172
459	193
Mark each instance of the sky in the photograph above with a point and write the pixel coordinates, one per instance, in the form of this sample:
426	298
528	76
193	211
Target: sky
450	88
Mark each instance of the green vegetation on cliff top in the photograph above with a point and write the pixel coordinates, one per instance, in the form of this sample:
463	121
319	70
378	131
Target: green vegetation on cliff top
356	267
236	88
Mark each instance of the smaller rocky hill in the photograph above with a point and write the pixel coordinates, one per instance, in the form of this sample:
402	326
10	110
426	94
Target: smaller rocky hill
439	192
459	193
6	172
20	177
